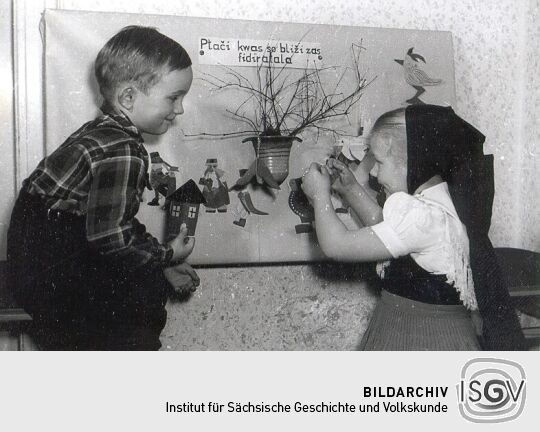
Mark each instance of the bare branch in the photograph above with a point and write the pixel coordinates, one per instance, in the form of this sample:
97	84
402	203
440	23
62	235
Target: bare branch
283	104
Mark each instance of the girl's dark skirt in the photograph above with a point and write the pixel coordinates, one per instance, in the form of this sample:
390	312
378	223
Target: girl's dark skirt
400	324
79	299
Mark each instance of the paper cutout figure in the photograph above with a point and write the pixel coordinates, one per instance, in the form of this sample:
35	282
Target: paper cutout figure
299	204
215	189
241	215
245	208
245	199
162	177
351	150
183	207
415	76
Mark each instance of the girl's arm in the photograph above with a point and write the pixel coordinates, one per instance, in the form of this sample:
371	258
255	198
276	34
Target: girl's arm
335	240
356	195
363	204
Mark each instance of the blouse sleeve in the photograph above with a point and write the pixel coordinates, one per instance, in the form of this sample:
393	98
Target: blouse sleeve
409	225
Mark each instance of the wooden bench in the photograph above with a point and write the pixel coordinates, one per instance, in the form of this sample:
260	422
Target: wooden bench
13	319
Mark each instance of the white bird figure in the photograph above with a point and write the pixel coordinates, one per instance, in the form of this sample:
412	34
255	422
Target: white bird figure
415	76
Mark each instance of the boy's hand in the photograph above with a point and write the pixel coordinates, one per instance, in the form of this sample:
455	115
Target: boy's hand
316	182
182	278
182	245
344	178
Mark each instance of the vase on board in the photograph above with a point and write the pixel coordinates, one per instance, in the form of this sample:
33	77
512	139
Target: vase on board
271	165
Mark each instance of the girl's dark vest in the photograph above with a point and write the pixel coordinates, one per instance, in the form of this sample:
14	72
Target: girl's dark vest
404	277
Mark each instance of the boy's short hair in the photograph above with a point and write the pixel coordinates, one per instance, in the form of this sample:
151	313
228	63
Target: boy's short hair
140	55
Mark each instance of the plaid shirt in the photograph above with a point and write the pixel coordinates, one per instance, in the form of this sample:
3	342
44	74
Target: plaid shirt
101	171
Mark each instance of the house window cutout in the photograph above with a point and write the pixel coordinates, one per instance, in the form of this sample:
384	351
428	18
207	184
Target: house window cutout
192	212
175	211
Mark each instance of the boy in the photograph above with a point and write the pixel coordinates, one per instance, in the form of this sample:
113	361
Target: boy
79	261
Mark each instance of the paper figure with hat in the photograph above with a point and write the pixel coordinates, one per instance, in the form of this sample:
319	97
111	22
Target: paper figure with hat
183	207
162	177
215	189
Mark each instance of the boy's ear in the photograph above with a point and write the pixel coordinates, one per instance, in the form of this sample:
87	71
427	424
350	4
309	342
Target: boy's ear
126	97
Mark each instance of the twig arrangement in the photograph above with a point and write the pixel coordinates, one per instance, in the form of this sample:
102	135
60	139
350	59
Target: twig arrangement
279	103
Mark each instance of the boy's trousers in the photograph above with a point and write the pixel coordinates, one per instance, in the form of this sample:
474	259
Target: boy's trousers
79	299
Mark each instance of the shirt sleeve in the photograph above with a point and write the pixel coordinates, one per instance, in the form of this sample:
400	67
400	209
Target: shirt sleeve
409	225
113	202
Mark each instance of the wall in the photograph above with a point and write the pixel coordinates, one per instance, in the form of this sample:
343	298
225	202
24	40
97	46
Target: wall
7	160
304	307
529	186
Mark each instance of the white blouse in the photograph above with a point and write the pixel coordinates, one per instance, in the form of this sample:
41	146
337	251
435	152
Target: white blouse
427	227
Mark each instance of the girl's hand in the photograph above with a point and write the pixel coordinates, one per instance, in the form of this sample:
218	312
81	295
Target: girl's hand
344	179
182	245
316	182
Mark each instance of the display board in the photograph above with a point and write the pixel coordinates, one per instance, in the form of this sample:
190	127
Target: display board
247	205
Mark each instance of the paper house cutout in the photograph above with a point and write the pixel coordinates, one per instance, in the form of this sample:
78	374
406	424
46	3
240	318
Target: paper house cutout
183	207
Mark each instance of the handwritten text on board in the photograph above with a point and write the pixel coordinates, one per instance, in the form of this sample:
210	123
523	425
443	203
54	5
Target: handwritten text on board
251	52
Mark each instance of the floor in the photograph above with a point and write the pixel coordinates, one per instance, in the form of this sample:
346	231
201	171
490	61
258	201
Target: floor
293	307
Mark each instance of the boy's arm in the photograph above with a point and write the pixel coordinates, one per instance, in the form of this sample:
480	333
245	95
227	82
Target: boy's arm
335	240
113	202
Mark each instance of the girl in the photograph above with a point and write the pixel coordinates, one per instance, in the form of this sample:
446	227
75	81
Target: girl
433	227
